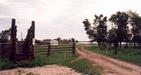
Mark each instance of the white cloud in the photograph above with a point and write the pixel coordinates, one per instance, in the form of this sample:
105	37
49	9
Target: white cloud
59	18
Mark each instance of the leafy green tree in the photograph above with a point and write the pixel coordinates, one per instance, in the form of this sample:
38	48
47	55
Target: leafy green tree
89	30
120	20
47	40
111	35
37	41
135	22
5	35
65	41
128	39
101	28
59	40
112	38
98	31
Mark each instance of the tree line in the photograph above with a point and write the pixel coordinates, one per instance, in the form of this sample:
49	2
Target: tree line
60	40
4	36
124	27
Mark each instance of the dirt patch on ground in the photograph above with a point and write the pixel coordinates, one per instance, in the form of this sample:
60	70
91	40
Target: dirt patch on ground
45	70
110	66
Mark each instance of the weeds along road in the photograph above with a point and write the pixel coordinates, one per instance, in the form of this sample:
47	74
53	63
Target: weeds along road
108	65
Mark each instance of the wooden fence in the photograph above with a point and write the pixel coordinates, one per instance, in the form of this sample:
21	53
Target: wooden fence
55	49
25	50
4	50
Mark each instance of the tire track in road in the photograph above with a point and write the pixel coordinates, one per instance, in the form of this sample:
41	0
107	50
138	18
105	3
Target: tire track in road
110	65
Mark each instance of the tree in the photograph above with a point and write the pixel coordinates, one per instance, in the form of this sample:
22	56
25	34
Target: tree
37	41
65	41
112	38
120	20
5	35
111	35
59	40
98	31
89	31
47	40
135	22
101	28
128	39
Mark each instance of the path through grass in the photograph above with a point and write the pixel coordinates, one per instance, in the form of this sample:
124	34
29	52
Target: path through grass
126	54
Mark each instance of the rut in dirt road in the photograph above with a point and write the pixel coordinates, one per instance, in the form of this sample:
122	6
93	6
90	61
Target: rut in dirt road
110	66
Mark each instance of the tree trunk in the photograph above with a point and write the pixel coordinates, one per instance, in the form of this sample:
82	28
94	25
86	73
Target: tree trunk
130	44
115	47
107	45
120	44
115	51
99	45
126	46
134	44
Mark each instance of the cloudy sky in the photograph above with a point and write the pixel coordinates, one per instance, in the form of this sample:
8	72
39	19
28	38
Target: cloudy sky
59	18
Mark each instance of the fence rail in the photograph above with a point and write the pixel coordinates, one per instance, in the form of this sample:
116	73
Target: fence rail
54	49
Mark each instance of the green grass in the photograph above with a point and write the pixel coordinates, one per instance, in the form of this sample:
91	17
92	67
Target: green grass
30	73
6	64
126	54
83	66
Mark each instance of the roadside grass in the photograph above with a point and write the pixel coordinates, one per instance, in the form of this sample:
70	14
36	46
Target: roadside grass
64	59
126	54
6	64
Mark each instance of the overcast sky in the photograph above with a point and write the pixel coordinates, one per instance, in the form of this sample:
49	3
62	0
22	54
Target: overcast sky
59	18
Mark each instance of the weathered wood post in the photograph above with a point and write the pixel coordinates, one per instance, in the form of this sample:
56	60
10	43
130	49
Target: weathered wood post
0	48
33	39
49	49
13	41
28	47
73	47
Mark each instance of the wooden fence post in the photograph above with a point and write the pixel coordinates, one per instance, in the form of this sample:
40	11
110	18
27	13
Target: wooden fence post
73	47
0	48
13	40
49	49
33	40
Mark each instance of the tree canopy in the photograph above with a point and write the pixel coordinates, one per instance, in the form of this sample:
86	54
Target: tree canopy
97	31
5	35
125	27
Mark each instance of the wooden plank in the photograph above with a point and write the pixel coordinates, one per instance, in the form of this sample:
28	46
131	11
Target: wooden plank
40	51
41	48
60	47
61	52
42	54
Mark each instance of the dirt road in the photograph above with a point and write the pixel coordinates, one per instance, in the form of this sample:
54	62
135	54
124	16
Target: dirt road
109	65
45	70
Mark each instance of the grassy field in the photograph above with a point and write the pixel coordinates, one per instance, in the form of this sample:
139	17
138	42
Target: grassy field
83	66
126	54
